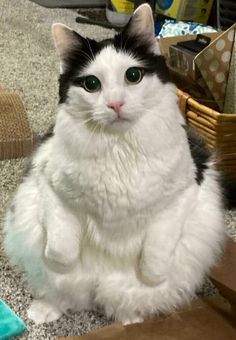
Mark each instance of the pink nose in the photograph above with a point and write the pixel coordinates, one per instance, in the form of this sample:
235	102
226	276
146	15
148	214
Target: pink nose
116	106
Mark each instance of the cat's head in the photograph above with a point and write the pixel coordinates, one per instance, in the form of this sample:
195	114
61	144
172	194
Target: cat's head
113	82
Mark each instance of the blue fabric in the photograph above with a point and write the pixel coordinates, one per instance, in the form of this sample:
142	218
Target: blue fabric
172	28
10	324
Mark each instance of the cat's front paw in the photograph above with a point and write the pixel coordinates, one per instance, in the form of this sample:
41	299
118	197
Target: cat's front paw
152	280
41	311
123	316
62	256
149	277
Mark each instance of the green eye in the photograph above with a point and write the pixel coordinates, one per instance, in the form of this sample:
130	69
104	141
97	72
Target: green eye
91	84
133	75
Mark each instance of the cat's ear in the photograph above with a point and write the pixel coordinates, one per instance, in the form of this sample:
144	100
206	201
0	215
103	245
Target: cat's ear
65	40
142	22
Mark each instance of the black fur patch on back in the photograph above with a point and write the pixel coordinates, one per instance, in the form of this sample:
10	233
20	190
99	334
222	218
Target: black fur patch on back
228	185
199	151
87	49
38	140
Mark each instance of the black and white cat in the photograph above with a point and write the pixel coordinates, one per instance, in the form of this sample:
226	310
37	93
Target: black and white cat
116	212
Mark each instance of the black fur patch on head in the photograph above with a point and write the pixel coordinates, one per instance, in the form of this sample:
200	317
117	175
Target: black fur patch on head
87	49
140	47
75	61
199	151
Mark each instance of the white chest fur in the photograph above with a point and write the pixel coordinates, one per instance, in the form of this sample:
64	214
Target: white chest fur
112	188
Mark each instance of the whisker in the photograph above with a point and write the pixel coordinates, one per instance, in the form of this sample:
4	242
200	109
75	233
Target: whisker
101	133
121	42
101	117
89	140
86	120
85	112
101	121
126	41
100	114
90	48
86	55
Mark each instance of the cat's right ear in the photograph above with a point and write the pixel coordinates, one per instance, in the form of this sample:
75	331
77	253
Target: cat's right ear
65	40
141	25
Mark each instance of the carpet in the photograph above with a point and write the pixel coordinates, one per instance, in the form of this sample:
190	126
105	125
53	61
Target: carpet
29	67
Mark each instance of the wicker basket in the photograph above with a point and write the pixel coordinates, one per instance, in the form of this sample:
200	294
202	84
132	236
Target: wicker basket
218	130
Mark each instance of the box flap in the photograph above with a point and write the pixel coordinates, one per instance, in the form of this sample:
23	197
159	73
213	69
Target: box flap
213	63
210	319
211	66
165	43
224	274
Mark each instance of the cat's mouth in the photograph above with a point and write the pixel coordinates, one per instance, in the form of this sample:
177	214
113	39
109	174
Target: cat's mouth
119	123
120	120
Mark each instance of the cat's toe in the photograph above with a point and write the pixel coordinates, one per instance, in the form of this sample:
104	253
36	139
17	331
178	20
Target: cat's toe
41	311
130	320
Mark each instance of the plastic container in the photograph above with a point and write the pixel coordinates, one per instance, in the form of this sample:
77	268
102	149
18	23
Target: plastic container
118	12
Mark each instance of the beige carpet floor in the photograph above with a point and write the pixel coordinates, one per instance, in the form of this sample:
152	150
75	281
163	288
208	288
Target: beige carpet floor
29	66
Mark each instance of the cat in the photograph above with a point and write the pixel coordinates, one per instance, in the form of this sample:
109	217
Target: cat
121	209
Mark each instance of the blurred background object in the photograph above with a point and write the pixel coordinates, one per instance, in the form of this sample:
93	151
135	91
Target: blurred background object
226	13
70	3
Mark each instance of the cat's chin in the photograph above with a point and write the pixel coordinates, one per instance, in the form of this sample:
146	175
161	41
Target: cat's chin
119	125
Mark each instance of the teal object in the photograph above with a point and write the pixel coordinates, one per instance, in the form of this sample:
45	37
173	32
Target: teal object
164	4
10	324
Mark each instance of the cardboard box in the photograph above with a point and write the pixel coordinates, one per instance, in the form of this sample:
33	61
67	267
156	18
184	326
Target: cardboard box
197	10
210	68
183	53
205	319
210	319
224	274
16	137
230	98
182	59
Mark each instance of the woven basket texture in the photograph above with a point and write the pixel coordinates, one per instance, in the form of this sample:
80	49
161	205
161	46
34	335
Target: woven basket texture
218	130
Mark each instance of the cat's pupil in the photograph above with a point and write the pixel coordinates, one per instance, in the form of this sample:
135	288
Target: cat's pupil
133	75
92	84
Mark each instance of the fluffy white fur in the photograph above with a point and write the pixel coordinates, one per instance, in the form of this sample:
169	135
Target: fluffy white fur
111	214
